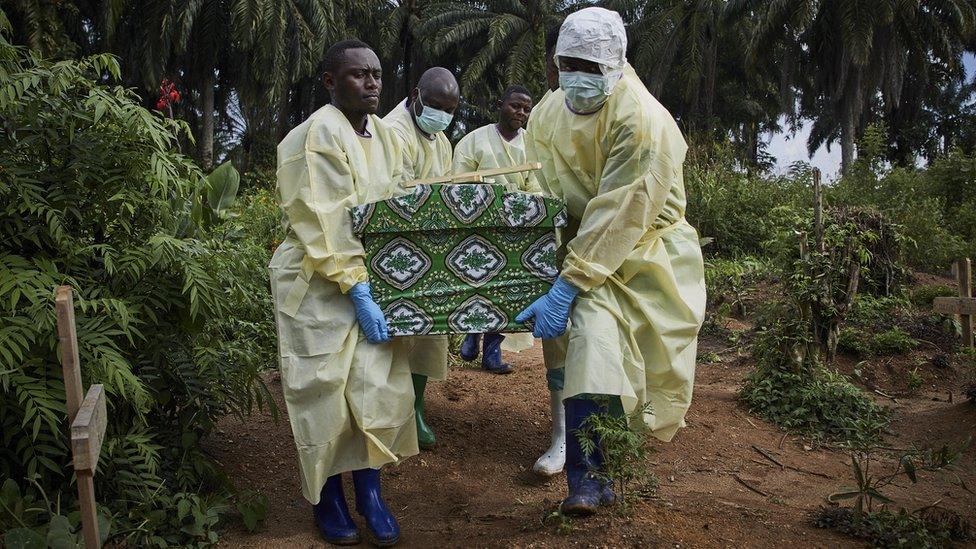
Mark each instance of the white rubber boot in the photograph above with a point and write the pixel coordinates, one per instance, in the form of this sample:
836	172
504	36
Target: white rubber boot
553	461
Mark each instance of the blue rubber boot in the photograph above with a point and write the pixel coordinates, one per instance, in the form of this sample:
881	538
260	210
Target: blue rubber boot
469	349
383	527
332	514
491	356
586	490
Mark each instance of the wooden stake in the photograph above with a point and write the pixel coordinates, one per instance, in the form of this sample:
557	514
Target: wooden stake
64	304
965	277
89	516
87	420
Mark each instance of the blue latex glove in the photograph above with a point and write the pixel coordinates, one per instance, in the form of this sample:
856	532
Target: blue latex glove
369	314
551	311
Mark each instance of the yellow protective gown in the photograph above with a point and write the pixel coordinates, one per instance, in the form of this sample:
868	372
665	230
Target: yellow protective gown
485	148
422	158
634	327
350	403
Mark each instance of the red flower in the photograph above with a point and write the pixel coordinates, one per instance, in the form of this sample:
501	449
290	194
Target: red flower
161	104
174	96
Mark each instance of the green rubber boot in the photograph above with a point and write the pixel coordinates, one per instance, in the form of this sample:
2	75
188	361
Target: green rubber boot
425	435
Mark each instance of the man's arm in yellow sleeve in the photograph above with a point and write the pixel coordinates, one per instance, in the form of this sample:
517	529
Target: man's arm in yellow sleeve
636	181
316	190
464	158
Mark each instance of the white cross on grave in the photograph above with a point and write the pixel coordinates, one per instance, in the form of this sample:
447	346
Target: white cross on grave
964	305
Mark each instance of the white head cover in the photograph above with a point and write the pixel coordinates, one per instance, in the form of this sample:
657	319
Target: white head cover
594	34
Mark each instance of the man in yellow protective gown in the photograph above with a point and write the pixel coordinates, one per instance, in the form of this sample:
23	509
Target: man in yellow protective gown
419	121
631	288
346	384
499	145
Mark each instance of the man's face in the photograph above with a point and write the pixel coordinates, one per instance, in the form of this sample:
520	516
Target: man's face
515	110
575	64
434	98
356	84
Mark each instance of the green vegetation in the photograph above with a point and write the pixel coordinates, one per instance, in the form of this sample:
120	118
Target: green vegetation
94	194
890	529
729	71
623	442
865	344
821	404
869	516
168	263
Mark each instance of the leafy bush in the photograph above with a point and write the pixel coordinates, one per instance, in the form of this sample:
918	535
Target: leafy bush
94	194
924	296
889	529
892	342
821	404
886	343
732	207
934	207
795	392
854	341
727	281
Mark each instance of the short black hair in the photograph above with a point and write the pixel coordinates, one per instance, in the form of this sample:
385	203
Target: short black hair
515	89
333	56
552	35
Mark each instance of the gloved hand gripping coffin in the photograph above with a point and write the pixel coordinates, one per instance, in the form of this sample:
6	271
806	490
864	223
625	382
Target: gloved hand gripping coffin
459	258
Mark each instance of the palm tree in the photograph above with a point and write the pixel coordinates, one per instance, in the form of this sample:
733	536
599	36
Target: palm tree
495	43
257	47
853	52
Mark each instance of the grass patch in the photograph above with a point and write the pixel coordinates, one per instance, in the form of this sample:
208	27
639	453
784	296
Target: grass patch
933	527
923	296
864	344
821	404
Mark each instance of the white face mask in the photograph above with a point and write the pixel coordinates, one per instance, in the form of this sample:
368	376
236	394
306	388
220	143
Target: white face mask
586	92
432	120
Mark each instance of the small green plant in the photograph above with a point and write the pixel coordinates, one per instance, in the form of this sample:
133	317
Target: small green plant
923	296
885	528
622	439
562	523
892	342
915	380
709	357
854	341
903	529
822	404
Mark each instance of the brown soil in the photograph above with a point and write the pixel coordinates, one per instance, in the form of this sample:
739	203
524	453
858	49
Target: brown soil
476	489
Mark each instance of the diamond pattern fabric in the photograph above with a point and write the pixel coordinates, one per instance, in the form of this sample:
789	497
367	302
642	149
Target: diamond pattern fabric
459	258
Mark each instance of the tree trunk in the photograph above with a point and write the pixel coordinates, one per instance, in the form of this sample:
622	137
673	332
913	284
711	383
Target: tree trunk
847	141
207	130
407	58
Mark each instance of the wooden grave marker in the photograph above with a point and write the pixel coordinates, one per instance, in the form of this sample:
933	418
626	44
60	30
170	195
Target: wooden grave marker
964	306
88	417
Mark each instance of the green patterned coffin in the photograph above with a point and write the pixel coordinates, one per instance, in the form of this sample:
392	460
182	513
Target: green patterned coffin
459	258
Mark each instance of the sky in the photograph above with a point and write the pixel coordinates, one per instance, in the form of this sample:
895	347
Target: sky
788	149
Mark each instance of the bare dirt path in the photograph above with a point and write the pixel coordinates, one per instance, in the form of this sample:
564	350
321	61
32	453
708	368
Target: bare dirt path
476	489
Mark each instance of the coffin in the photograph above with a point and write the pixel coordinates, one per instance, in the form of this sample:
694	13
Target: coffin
459	258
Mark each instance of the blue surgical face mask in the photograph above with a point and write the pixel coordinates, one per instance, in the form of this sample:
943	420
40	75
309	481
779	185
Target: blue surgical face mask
585	92
432	120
